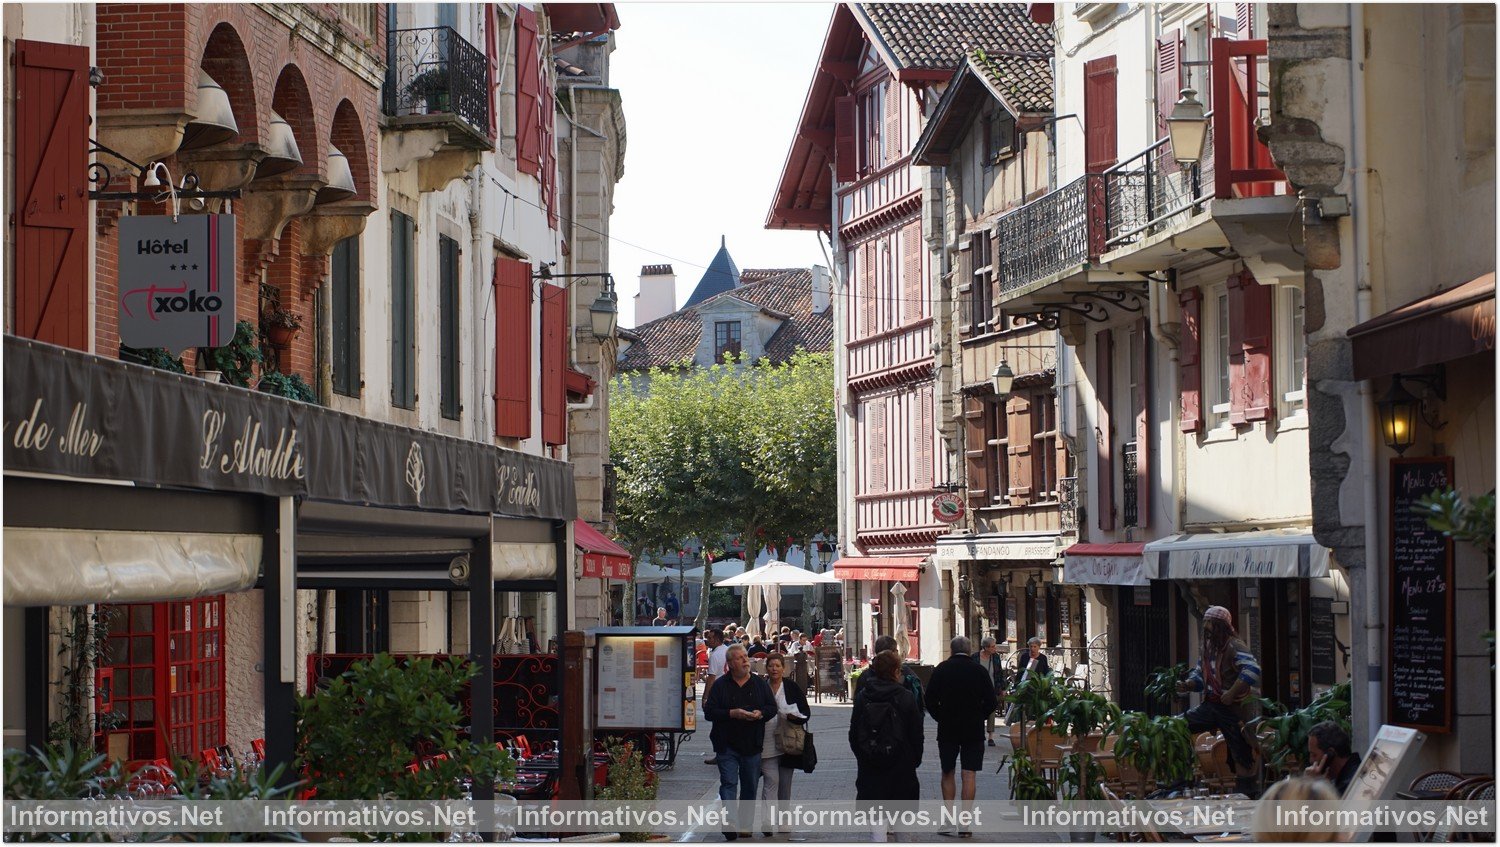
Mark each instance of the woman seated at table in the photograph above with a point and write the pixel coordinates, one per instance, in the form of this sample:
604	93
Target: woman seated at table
1288	793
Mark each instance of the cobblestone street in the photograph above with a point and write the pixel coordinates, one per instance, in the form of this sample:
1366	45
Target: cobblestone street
833	779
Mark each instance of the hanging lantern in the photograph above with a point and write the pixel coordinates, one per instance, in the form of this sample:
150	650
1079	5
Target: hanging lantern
340	178
282	155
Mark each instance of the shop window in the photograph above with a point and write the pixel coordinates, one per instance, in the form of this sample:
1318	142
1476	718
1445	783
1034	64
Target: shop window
166	666
346	317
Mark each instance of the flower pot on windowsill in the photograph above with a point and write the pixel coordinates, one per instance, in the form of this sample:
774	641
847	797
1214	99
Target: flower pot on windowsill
280	327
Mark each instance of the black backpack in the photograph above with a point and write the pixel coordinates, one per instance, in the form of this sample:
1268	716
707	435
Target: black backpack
883	731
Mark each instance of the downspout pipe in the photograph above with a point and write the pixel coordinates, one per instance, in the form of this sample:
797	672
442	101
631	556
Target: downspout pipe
1374	571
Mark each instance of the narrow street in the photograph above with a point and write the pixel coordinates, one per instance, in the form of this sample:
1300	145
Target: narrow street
832	780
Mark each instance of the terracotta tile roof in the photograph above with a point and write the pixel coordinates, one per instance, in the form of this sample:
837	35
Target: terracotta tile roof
783	292
1026	84
936	36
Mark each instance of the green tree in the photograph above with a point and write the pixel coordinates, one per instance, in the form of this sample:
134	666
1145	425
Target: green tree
727	451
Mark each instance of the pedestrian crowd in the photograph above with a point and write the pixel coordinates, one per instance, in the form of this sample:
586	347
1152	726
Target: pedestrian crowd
758	720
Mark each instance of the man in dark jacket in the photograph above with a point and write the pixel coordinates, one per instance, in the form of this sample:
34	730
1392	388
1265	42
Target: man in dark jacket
739	706
960	695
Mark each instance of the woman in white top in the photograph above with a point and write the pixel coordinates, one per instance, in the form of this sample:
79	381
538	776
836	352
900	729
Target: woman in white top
776	769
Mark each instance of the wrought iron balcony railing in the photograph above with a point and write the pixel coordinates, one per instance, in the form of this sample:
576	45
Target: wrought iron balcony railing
433	70
1049	235
1146	193
1128	505
1067	497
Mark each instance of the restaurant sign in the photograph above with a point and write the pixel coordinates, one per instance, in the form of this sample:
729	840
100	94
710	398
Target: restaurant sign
177	281
73	414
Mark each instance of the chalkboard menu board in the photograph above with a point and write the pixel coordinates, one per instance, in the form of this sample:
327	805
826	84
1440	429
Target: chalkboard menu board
1421	605
1320	639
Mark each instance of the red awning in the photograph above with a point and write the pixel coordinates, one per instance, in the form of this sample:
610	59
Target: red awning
1122	548
602	558
579	384
878	568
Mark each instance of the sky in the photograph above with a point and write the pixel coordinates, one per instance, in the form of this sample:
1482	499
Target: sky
711	93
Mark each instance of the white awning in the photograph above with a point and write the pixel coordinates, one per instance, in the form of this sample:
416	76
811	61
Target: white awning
996	547
516	561
1272	554
1117	563
72	567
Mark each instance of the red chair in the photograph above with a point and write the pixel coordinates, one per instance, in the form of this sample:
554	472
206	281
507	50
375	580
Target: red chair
211	760
259	747
523	745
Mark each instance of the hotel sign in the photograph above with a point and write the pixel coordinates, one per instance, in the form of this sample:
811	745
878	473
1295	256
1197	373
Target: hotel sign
177	281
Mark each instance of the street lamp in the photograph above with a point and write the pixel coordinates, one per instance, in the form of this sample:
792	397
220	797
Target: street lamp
1002	379
1187	127
605	311
1398	417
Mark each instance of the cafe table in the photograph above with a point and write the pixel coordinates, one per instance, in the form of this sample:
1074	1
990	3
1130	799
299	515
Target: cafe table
1241	806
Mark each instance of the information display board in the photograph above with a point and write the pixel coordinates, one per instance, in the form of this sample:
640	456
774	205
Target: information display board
1421	601
1320	641
643	678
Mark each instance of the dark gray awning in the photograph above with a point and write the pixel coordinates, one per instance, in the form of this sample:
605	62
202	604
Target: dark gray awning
78	415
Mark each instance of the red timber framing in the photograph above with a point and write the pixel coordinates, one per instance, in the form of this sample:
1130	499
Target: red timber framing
52	217
166	663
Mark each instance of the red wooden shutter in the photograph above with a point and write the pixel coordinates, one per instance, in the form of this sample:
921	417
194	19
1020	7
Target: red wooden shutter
924	478
845	150
1250	334
1018	449
1170	78
976	446
866	293
876	428
528	94
51	170
554	360
911	272
1142	422
892	121
1104	433
512	348
1099	114
1190	360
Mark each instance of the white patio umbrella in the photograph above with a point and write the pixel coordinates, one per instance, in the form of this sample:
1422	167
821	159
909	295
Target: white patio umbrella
778	573
753	602
898	613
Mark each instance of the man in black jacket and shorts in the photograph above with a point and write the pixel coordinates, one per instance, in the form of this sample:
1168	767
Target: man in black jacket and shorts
959	697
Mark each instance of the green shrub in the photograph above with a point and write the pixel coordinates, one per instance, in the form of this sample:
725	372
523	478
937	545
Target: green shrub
627	779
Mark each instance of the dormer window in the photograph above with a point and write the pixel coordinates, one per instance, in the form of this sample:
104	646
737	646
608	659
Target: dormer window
726	339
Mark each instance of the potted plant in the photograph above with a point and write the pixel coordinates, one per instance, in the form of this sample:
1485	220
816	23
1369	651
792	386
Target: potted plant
1160	749
280	327
235	361
1079	714
1285	745
432	89
290	386
1161	685
627	779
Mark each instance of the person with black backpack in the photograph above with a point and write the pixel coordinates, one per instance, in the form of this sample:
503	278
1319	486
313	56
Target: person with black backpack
885	733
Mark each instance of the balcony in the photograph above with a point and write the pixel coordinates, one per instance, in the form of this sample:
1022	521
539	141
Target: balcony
436	100
1067	505
1129	508
1084	247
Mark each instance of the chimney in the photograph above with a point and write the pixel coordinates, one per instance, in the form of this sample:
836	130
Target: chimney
658	294
822	288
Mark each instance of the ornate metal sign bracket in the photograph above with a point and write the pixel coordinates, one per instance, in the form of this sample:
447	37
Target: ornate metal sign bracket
101	175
